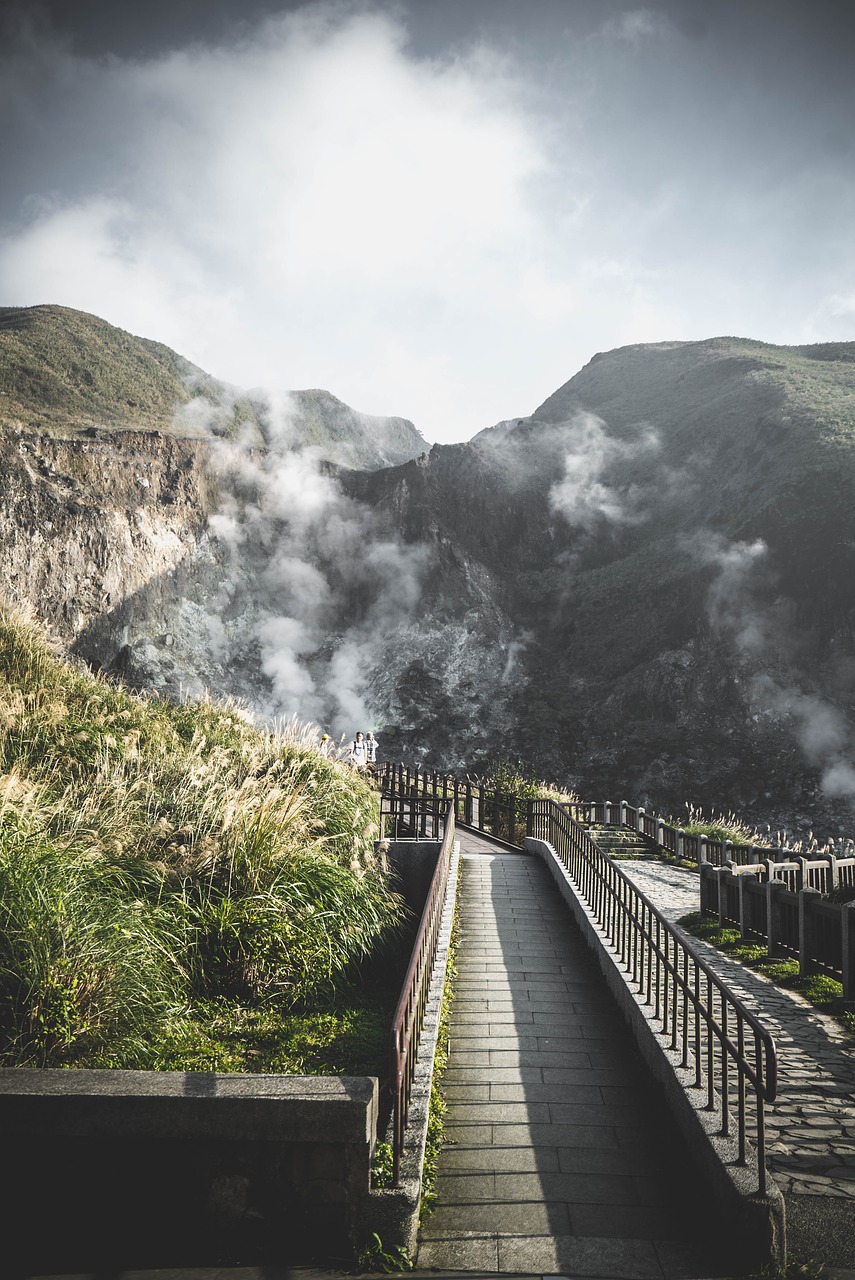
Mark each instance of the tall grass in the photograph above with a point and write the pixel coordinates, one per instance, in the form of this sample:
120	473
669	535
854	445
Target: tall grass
153	855
722	826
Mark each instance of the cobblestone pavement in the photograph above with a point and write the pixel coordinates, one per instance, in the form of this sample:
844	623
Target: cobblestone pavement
560	1156
811	1128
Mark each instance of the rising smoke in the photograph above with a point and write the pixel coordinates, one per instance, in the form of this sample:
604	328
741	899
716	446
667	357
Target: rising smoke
582	497
739	608
318	585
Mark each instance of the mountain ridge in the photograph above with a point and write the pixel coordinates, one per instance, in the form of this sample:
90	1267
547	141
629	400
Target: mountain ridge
645	589
65	372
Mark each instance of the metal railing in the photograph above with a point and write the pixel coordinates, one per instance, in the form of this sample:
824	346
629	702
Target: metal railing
505	817
495	813
717	1038
411	817
410	1012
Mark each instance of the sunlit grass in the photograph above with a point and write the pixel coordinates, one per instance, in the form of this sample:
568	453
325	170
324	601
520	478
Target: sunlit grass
158	860
823	992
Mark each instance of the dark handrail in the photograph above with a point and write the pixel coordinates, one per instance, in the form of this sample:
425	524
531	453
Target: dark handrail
410	1013
498	814
707	1024
502	815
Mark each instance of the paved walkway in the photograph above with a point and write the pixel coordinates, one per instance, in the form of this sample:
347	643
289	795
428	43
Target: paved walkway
811	1128
560	1156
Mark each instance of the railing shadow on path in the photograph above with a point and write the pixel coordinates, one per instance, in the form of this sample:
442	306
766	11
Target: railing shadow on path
561	1155
811	1124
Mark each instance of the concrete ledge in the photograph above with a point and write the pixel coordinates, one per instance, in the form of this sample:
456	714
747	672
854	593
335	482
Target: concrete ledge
756	1222
262	1108
138	1168
393	1213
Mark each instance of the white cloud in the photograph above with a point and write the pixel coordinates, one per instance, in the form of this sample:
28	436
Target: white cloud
313	203
634	25
308	207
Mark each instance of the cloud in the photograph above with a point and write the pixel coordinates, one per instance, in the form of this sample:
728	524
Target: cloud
307	206
635	25
581	497
315	201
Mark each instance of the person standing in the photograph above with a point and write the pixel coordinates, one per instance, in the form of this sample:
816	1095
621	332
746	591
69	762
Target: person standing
371	748
358	755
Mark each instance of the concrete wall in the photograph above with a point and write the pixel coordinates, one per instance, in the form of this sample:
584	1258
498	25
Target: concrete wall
142	1169
756	1222
414	862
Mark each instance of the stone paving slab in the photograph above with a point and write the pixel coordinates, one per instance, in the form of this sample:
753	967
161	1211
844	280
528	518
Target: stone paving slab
811	1128
558	1152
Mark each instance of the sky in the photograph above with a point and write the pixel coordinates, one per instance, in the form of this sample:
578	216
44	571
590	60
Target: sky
439	209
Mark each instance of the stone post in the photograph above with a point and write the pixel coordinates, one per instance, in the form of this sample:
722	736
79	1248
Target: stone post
703	852
708	891
680	841
741	890
659	840
722	895
806	930
774	919
847	931
639	821
623	813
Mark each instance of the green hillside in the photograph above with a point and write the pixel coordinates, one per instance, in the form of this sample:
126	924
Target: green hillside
178	888
62	371
65	372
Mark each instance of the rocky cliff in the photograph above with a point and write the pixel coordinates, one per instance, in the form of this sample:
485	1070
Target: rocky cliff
645	588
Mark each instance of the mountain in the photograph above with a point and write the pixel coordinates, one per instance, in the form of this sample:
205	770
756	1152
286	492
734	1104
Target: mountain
645	588
669	541
67	373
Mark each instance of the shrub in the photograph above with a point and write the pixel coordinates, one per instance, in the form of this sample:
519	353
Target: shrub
152	855
720	826
82	967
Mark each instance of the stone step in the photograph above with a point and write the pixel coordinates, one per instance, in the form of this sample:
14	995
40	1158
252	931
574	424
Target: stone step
622	842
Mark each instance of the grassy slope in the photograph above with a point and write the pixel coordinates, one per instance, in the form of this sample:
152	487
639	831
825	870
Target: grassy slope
64	371
757	441
178	888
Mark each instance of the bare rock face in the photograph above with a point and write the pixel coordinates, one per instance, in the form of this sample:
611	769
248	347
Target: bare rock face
87	524
646	589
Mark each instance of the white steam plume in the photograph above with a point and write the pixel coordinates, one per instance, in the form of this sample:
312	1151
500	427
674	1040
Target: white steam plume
821	730
731	600
320	586
582	498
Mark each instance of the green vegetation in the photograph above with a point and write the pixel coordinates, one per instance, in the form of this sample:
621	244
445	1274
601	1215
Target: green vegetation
437	1106
377	1258
822	992
506	776
721	826
512	777
179	888
64	371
